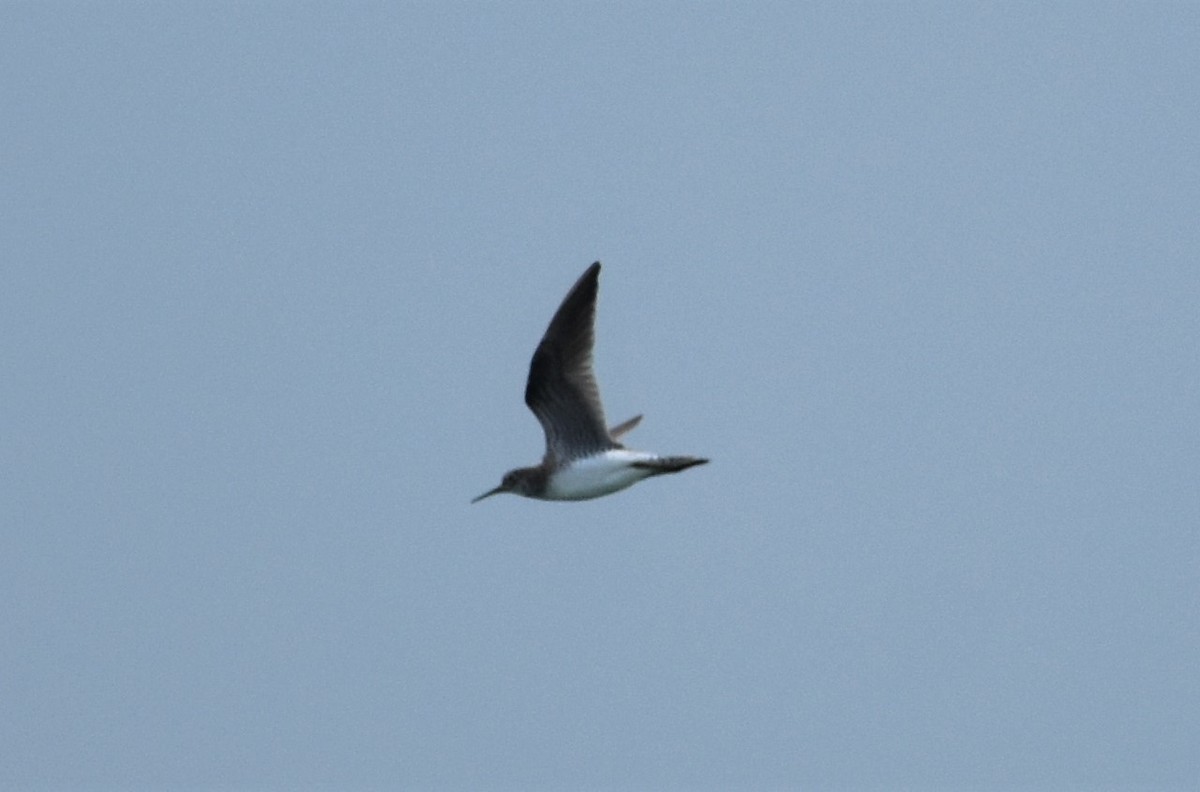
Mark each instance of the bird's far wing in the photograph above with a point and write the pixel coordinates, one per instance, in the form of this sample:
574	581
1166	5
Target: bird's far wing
615	432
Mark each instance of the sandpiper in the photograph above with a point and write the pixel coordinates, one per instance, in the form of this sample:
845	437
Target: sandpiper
583	458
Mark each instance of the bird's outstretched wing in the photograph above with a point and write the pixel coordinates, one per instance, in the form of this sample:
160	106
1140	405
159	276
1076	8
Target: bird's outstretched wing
561	389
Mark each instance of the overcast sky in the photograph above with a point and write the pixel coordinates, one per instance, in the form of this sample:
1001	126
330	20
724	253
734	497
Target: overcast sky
922	280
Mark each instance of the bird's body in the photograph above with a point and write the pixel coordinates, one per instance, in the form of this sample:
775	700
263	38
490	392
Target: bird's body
599	474
583	459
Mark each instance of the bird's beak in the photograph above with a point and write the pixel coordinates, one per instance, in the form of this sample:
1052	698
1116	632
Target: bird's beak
489	494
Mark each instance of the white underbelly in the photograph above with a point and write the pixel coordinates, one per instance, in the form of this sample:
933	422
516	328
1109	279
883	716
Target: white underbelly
598	475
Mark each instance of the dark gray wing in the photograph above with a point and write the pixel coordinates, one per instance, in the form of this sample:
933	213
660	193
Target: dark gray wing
561	389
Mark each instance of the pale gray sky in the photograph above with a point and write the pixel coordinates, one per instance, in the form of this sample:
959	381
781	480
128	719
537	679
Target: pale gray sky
923	280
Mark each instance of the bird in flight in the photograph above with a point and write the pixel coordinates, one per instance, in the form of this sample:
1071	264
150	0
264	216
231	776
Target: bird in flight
583	458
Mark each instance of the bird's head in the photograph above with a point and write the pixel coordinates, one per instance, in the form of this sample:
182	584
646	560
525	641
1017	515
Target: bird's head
519	482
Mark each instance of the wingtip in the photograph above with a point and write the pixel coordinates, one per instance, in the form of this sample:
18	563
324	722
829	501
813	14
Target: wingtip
589	281
625	427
